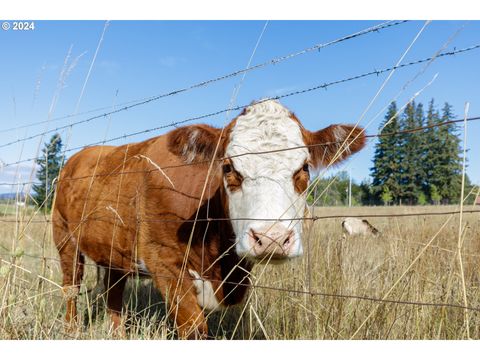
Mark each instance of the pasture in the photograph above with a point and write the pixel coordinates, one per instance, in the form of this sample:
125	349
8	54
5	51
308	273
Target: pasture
386	287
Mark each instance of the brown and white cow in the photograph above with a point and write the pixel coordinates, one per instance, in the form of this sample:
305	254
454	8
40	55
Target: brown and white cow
196	226
355	226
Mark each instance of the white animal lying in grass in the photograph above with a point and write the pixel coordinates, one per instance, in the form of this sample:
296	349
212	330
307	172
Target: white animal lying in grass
355	226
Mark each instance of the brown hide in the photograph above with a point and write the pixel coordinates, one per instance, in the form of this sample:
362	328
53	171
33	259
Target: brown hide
129	211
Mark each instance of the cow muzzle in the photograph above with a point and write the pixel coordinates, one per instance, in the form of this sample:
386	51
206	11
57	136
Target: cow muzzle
271	243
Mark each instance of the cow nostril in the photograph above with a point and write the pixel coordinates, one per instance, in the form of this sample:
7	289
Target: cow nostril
288	239
256	238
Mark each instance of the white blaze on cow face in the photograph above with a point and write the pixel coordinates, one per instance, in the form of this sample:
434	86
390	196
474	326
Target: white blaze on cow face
267	189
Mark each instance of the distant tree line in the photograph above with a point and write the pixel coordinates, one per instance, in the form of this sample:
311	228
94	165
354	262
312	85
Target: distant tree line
417	167
410	168
333	191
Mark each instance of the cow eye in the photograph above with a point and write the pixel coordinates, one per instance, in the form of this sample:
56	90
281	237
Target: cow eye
305	167
227	168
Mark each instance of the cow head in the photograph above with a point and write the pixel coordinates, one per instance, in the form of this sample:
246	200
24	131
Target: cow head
264	158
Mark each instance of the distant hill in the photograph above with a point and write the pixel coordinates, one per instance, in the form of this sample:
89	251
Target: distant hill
12	196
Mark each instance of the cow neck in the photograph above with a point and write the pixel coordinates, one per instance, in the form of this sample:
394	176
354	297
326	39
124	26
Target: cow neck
235	271
217	233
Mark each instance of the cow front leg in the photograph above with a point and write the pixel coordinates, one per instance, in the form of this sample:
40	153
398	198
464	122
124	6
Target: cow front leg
189	317
114	281
181	297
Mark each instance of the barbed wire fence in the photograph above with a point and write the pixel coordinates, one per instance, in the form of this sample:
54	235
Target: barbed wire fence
222	111
266	287
196	163
129	105
277	60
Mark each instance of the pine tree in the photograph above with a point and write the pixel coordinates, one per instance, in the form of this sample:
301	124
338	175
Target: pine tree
450	161
49	166
417	167
431	162
410	154
421	180
386	161
434	195
365	193
386	196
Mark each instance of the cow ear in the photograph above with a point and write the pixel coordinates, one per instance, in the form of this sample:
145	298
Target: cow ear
195	143
334	143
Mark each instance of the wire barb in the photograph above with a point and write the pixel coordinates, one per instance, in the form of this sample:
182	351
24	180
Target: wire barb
445	123
274	61
294	93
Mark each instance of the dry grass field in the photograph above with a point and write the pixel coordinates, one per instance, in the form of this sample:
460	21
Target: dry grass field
334	292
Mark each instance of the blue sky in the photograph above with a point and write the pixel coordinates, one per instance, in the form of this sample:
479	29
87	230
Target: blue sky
140	59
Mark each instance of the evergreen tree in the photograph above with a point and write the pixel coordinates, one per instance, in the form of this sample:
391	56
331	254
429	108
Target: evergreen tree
49	167
450	162
421	180
387	161
434	195
410	154
432	155
417	167
422	199
366	196
386	196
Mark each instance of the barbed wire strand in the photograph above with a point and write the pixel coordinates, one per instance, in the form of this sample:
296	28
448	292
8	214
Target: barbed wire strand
299	292
293	93
273	61
406	131
310	218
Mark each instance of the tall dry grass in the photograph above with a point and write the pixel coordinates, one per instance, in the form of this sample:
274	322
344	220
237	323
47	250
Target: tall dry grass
396	265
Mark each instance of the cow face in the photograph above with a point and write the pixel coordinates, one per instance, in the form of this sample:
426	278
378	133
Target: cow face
265	188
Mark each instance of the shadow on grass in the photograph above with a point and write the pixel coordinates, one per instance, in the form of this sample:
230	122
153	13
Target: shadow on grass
145	312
